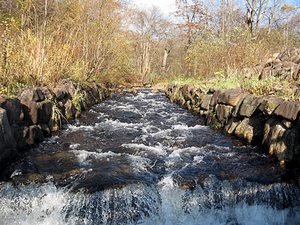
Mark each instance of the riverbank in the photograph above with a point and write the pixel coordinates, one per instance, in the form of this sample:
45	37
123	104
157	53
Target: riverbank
268	122
37	112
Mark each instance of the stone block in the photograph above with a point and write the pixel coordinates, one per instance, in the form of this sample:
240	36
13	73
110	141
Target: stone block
230	97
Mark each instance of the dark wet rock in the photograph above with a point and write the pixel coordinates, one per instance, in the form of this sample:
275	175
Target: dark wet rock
13	108
230	97
88	100
27	135
44	112
37	112
7	142
18	133
33	134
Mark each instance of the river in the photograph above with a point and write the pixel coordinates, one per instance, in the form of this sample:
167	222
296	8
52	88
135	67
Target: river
140	159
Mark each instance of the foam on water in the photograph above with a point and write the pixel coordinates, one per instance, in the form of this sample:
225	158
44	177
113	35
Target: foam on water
158	150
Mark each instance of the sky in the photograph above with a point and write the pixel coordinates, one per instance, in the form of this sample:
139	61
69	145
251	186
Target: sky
166	6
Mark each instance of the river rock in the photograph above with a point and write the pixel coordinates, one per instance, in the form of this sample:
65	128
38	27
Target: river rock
266	73
231	125
37	112
230	97
248	106
13	108
96	92
206	101
48	93
268	106
66	89
70	110
279	141
32	95
251	130
35	109
186	91
33	134
288	110
7	142
88	100
223	112
292	54
155	91
59	92
214	99
29	135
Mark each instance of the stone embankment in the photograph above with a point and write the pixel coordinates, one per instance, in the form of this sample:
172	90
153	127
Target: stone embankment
268	122
36	112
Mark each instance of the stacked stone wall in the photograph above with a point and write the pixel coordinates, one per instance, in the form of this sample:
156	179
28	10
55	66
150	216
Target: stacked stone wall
37	112
271	123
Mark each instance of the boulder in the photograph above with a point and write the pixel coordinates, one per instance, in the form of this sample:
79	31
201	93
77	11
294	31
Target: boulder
155	91
88	100
231	125
94	89
68	88
288	110
48	93
70	110
230	97
33	134
37	112
266	73
60	92
291	54
44	112
206	102
7	142
13	109
251	130
214	99
279	141
223	112
18	134
269	105
248	106
32	95
186	91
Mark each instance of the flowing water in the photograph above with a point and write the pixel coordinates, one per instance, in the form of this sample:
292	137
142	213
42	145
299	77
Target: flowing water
139	159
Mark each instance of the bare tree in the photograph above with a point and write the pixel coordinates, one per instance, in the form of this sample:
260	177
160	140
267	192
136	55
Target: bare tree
148	26
256	10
